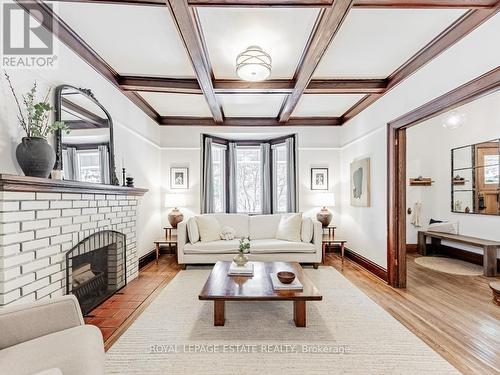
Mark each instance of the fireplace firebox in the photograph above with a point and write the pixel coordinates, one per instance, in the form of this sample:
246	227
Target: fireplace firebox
96	268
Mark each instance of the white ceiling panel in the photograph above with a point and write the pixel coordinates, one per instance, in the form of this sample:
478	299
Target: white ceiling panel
373	43
167	104
251	105
132	39
325	105
281	32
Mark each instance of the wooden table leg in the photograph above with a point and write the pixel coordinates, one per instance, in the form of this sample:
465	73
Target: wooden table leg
323	257
490	260
299	313
157	248
219	307
342	249
421	244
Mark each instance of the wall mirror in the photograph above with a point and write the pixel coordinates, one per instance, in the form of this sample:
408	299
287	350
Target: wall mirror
85	154
475	178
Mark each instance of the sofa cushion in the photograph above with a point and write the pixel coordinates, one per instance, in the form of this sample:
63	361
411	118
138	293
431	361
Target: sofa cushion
238	222
270	246
264	226
289	227
75	351
213	247
209	228
307	229
192	229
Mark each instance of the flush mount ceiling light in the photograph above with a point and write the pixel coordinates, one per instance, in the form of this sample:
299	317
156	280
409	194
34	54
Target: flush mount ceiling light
454	120
253	64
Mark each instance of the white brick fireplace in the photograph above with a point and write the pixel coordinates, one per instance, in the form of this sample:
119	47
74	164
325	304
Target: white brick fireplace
38	227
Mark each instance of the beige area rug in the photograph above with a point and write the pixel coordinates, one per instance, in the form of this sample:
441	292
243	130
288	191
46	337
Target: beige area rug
450	265
347	333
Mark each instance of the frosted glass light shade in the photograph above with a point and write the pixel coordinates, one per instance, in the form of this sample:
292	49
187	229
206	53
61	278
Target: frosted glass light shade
253	64
454	120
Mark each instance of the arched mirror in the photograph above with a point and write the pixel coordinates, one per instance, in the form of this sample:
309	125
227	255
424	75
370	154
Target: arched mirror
86	153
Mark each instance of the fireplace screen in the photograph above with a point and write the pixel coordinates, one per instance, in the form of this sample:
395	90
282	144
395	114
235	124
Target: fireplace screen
96	269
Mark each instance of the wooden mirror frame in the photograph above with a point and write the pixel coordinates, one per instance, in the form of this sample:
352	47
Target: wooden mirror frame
58	136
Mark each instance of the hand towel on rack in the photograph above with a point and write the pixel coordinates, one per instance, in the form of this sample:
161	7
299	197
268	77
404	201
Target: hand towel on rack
417	214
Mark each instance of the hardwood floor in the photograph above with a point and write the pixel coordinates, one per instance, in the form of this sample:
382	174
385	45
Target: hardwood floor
454	315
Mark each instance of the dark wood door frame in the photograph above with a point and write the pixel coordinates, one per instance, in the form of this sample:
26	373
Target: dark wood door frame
396	164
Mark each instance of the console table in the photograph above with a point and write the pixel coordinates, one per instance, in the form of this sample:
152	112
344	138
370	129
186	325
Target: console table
490	248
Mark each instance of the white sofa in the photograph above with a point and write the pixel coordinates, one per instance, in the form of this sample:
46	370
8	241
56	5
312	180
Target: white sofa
49	337
261	230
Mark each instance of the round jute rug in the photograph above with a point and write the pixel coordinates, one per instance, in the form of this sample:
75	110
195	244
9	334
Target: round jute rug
449	265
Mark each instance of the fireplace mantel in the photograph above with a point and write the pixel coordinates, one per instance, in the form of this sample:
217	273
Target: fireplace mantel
35	184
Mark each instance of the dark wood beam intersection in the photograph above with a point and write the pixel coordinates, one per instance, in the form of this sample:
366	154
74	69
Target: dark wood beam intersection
277	86
189	32
329	23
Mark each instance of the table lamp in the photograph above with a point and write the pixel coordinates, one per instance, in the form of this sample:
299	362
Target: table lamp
325	216
175	216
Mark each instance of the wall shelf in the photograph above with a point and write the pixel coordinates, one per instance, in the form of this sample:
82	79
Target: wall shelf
421	181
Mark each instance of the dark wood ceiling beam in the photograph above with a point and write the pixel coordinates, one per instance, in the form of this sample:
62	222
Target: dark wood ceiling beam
276	86
189	32
414	4
468	4
454	33
327	27
53	23
249	121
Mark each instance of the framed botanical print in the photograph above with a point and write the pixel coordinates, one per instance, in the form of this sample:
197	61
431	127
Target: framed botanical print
179	178
319	178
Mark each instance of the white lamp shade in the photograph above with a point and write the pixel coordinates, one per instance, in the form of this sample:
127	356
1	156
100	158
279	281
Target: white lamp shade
175	200
253	64
324	200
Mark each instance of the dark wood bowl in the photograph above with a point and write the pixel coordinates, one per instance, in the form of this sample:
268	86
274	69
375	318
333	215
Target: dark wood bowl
286	277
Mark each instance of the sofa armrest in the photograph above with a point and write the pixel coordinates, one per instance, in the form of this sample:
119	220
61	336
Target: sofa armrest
25	322
182	239
317	236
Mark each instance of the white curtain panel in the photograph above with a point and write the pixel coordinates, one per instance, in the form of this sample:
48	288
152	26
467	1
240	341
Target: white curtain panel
104	164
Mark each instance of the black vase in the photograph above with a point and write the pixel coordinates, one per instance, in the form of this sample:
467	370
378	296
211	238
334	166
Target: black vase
36	157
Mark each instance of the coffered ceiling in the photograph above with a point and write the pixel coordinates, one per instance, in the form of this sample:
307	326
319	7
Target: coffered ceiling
175	59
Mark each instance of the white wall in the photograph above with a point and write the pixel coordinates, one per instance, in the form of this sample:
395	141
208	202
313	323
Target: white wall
316	148
365	135
135	133
429	147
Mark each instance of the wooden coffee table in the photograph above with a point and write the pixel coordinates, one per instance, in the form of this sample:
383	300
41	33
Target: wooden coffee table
221	288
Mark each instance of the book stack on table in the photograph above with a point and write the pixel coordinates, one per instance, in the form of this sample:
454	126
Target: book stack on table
235	270
278	285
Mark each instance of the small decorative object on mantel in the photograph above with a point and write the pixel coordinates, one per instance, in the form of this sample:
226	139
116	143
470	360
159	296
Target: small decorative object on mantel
130	182
241	259
421	181
124	172
34	155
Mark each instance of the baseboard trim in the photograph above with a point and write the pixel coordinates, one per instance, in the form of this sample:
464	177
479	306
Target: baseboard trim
367	264
465	255
147	258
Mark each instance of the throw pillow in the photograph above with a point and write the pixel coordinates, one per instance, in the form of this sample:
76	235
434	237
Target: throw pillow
289	228
307	230
192	229
209	228
227	233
